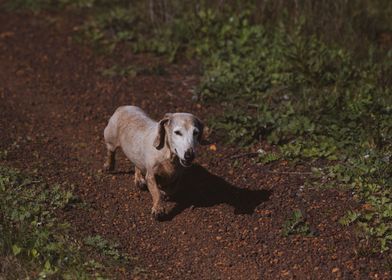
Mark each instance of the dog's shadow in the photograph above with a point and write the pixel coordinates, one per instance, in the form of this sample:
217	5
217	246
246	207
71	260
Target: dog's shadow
200	188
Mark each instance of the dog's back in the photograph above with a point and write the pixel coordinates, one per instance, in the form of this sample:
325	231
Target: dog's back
130	128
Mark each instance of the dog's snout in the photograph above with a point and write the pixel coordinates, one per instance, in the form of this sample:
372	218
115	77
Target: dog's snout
189	155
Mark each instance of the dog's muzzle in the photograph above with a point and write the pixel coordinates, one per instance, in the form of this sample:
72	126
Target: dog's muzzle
189	156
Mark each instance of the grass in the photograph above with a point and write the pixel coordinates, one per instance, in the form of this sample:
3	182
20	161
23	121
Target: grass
34	242
311	77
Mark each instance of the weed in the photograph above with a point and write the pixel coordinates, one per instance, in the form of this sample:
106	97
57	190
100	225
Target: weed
371	181
296	225
266	158
105	247
3	154
116	70
132	71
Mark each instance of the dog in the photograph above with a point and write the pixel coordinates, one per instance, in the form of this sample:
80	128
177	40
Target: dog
160	150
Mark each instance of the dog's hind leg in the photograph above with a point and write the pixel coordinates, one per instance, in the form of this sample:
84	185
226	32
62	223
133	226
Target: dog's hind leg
112	143
110	161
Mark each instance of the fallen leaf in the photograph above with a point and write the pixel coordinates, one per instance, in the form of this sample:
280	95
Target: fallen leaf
367	207
285	273
213	147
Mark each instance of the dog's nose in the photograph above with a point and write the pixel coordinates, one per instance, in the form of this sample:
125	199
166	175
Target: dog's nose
189	155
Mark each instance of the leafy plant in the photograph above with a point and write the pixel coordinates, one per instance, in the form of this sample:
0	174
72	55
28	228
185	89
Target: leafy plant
3	154
104	247
265	158
296	225
370	179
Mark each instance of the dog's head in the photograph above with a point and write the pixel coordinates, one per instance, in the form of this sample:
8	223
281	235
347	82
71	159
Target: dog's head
180	132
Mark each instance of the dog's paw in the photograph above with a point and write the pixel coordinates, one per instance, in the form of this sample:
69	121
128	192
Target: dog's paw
108	167
158	212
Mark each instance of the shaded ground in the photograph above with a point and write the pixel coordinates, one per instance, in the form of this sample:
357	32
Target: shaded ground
227	224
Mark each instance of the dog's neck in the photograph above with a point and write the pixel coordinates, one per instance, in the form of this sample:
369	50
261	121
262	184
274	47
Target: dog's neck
172	156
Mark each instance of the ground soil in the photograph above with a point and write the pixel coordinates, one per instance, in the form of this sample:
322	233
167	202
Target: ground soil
228	221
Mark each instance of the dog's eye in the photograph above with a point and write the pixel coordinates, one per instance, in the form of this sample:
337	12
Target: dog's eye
195	133
178	132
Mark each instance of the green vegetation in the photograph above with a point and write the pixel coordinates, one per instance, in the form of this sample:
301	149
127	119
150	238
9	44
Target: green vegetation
39	5
296	225
105	247
311	77
34	243
132	71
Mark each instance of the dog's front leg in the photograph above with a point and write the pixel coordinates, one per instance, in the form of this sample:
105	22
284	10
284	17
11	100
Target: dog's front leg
140	182
158	210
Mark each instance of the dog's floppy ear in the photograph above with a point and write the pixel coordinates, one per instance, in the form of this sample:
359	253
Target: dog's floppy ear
200	127
159	141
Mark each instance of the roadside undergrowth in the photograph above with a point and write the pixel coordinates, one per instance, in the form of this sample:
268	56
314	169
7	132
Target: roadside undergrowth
35	243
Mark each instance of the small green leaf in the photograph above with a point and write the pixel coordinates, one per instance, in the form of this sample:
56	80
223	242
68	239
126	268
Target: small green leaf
16	249
47	265
34	253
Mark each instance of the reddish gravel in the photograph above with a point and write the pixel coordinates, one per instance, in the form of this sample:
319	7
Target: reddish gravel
225	224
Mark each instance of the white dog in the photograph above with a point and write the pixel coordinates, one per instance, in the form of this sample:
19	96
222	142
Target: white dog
159	150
